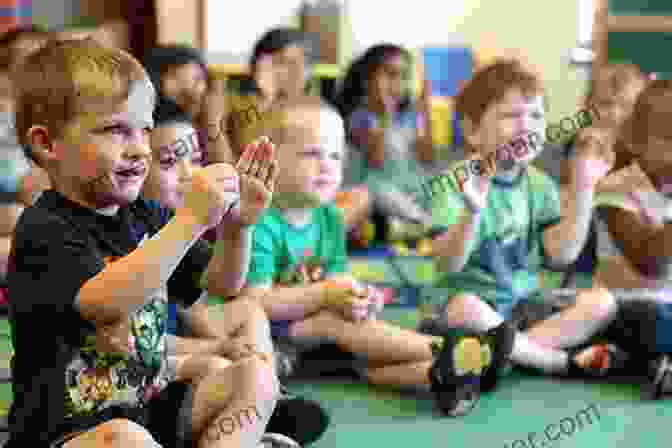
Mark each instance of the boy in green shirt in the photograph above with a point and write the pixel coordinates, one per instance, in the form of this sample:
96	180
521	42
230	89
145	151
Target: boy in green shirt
499	229
299	272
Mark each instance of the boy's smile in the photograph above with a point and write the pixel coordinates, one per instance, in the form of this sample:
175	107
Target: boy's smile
103	159
515	116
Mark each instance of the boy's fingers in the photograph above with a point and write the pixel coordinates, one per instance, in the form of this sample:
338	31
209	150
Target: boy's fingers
272	176
266	152
264	156
245	161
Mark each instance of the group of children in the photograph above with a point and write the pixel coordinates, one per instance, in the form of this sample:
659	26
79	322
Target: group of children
142	209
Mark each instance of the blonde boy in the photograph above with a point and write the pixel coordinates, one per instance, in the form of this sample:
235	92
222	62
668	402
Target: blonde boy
299	271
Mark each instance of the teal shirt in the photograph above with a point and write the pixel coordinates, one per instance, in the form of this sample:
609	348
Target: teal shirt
506	254
287	255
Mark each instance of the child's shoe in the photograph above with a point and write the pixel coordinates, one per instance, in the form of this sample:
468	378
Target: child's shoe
455	375
659	379
273	440
299	418
501	340
286	359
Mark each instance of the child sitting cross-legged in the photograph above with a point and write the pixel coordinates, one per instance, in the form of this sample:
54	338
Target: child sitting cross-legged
92	267
240	323
501	228
299	269
634	239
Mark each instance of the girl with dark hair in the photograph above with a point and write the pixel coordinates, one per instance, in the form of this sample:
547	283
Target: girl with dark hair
389	132
180	76
279	65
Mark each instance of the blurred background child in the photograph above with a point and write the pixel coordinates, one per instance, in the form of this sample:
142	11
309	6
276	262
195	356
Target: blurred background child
390	133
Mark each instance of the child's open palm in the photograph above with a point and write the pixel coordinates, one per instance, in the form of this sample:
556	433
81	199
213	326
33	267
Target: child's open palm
594	157
257	170
475	189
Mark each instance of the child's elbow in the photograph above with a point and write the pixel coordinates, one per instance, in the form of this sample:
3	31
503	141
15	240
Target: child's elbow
225	289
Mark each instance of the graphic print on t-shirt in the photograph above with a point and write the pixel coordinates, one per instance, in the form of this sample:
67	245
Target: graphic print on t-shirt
306	270
97	379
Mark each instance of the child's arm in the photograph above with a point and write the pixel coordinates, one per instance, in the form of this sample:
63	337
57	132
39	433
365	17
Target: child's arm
228	267
129	282
367	133
564	241
453	248
298	302
461	215
424	145
647	247
214	116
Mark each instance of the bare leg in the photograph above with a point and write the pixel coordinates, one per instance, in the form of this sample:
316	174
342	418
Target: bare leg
117	433
240	319
593	311
378	341
397	357
232	406
470	312
244	319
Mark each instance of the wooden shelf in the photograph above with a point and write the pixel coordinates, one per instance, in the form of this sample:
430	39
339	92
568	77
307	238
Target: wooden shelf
652	24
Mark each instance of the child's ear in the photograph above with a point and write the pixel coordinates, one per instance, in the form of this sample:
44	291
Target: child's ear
41	143
470	132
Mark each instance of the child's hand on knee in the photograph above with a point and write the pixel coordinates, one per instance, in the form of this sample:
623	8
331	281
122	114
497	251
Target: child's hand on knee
350	299
236	350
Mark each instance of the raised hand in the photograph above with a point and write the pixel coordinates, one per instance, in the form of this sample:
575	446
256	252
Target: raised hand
594	157
475	187
214	109
211	193
258	171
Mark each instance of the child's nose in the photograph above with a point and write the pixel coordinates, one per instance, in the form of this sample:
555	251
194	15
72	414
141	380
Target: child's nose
138	149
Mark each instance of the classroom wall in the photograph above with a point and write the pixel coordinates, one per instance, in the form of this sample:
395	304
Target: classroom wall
54	13
542	31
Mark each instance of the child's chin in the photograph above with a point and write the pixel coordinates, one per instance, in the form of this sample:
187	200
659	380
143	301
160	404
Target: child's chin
296	200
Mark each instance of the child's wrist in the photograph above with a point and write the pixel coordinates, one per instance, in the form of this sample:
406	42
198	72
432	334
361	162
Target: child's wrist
190	223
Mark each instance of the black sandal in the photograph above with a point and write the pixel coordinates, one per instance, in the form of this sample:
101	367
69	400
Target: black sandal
660	379
455	375
501	340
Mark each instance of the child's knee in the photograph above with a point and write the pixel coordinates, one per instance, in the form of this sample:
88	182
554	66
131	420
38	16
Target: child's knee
598	303
251	310
121	432
264	379
462	308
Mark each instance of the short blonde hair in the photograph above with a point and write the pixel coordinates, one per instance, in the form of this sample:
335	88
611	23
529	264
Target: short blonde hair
64	79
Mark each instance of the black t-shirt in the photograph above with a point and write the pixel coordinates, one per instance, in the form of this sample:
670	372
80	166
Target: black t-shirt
60	375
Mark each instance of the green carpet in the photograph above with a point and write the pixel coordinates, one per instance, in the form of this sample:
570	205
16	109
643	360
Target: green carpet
523	404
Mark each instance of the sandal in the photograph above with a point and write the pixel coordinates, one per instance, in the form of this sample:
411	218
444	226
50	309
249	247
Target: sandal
660	379
501	340
455	375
